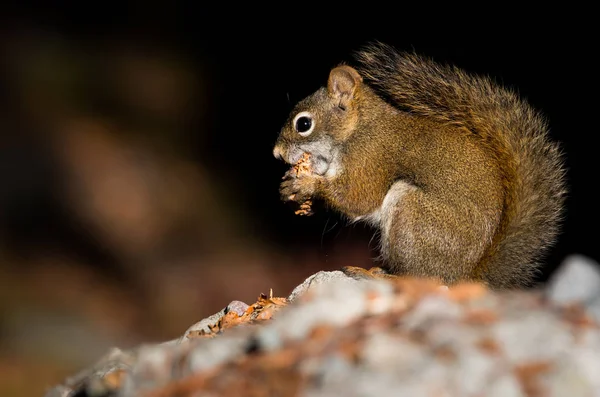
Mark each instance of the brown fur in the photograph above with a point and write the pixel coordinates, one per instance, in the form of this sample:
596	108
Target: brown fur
485	184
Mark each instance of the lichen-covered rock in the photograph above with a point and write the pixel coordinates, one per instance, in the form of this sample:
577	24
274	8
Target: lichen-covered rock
405	337
577	282
101	379
320	278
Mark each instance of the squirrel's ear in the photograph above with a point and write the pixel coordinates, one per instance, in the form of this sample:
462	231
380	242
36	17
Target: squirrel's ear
342	84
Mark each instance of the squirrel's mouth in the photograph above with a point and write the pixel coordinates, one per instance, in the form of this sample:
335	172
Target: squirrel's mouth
319	161
321	153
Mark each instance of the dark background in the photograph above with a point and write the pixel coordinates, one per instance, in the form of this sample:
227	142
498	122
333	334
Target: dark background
192	100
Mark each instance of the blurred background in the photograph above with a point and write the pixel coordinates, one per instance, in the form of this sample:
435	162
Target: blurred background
138	192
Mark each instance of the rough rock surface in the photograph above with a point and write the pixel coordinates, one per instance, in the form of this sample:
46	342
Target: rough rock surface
336	336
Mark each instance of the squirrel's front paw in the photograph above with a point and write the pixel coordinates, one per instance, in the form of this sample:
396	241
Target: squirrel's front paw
298	189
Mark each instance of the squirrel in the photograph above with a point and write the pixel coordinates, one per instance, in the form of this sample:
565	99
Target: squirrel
457	174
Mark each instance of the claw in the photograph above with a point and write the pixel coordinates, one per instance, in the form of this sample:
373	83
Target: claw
291	173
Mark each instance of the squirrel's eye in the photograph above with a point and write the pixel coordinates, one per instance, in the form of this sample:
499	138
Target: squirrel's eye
303	123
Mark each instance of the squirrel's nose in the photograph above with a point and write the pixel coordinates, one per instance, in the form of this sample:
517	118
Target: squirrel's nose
277	153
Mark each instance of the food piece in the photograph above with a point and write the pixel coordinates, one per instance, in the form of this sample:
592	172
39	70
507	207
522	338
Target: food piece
305	208
263	309
302	167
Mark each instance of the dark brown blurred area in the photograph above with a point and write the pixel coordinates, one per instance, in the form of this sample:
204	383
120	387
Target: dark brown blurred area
138	192
114	230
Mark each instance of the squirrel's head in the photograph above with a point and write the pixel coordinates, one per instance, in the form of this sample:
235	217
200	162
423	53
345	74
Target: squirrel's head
321	122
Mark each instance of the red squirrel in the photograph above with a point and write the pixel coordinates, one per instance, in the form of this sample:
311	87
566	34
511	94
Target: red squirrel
457	174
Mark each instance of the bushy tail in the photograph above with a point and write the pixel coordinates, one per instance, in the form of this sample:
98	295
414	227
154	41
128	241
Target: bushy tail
516	133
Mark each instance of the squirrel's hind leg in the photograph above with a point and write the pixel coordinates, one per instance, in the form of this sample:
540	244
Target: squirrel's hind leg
377	273
361	273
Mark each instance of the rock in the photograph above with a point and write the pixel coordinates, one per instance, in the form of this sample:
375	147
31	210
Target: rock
101	379
237	307
203	325
59	391
374	337
577	281
334	301
319	278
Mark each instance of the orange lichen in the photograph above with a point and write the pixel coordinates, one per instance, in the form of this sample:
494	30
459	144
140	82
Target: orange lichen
481	317
465	292
489	346
262	309
529	374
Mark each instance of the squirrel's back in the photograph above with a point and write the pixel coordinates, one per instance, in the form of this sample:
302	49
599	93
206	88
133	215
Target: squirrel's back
531	164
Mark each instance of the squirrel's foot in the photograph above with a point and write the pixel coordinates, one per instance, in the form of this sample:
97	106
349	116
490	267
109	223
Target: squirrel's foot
298	189
362	273
376	273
